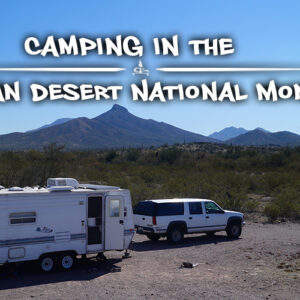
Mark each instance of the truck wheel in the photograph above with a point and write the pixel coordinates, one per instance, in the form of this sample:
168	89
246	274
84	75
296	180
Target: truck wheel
234	230
175	235
66	261
153	237
47	263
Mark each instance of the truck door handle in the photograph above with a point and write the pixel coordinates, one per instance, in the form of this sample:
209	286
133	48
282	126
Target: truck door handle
190	218
207	217
121	222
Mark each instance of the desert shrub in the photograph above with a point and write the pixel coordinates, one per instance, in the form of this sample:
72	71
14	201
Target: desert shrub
197	170
275	160
232	200
110	156
169	155
288	202
133	155
250	205
272	211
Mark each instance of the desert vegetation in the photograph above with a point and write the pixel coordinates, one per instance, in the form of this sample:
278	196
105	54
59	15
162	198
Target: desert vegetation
238	178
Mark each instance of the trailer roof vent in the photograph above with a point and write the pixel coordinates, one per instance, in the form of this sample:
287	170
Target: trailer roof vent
60	188
62	182
15	189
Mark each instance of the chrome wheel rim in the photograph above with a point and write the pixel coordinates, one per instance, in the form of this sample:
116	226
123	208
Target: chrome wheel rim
176	236
235	230
47	264
67	262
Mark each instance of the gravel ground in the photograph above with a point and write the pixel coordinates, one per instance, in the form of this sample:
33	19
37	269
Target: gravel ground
263	264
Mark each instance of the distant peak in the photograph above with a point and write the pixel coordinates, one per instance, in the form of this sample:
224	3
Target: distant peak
261	129
117	107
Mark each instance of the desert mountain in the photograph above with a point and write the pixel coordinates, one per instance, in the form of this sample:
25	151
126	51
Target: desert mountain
228	133
260	137
113	129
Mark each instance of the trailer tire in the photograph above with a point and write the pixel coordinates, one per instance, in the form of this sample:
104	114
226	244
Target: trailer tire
175	235
47	263
153	237
66	261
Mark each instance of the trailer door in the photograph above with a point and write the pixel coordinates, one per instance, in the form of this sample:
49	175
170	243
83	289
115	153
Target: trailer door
94	226
114	223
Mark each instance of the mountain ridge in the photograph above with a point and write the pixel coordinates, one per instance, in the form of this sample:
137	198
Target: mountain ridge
228	133
115	128
258	137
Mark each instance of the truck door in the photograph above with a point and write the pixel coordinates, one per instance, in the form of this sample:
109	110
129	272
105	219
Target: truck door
215	217
114	223
95	224
196	219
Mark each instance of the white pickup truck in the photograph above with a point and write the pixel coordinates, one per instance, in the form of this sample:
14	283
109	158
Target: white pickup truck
175	217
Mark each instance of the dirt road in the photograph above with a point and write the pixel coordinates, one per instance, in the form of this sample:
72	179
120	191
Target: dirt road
263	264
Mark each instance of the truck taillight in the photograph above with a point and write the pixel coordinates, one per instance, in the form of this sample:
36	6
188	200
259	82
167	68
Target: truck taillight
154	220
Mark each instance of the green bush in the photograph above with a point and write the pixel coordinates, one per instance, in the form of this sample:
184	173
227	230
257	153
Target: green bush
110	156
133	155
272	211
222	173
288	202
169	155
250	206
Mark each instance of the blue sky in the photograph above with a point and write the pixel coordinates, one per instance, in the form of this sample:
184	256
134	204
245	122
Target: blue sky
264	33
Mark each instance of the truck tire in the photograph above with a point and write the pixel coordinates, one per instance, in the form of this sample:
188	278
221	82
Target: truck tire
175	235
66	261
153	237
234	230
47	263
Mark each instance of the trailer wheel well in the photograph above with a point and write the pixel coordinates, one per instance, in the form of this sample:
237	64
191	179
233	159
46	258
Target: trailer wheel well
59	253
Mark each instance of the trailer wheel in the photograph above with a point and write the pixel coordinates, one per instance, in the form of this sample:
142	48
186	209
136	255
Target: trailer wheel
47	263
66	261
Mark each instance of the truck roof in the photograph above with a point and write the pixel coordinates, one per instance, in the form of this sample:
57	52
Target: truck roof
178	200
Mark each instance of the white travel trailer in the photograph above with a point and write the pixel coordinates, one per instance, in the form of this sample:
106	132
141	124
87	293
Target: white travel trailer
66	219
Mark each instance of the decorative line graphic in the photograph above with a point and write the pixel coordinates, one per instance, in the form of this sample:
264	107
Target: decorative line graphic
227	69
83	70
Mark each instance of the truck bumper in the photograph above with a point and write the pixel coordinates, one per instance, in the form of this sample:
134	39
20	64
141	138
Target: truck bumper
144	230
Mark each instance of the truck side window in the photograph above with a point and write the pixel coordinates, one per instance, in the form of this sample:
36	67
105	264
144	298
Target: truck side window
195	208
170	209
212	208
145	208
114	208
22	218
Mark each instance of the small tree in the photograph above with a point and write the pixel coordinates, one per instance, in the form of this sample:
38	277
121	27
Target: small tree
110	156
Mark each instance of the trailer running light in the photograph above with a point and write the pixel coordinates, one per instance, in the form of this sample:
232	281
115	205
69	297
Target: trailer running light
154	220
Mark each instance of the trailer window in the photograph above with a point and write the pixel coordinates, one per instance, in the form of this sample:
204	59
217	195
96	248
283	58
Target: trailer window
22	218
114	208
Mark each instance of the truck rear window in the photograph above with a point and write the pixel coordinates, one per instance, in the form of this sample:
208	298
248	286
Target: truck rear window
145	208
170	209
